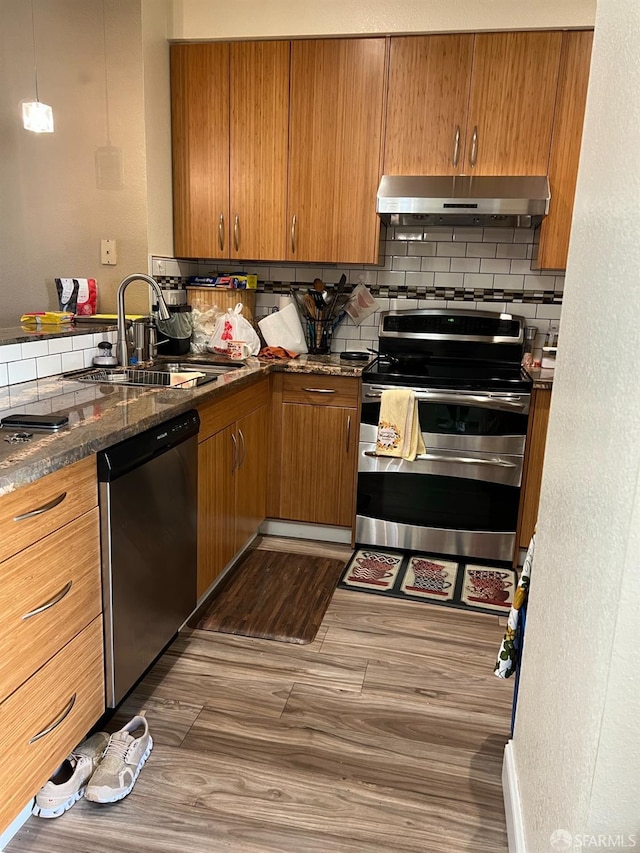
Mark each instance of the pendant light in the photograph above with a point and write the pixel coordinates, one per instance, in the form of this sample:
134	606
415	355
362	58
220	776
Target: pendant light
36	116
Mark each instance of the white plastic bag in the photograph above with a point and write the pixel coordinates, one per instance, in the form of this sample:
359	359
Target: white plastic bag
204	322
283	329
232	326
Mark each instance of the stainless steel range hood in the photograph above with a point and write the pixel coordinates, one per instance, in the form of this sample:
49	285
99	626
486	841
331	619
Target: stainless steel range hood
463	200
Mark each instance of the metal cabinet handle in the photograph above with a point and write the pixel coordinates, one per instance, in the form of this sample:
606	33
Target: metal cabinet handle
44	508
236	228
320	390
50	603
456	146
294	222
57	721
244	448
462	399
473	156
235	452
437	457
348	433
221	232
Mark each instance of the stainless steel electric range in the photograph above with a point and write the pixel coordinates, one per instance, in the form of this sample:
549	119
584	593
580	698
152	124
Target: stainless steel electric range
461	497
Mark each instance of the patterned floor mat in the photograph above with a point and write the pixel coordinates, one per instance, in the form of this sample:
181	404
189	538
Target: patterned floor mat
438	580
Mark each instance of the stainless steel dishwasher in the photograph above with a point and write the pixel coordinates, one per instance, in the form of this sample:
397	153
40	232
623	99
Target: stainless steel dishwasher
148	518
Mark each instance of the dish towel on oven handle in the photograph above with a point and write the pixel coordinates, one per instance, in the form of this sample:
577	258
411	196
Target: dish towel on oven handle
511	646
399	432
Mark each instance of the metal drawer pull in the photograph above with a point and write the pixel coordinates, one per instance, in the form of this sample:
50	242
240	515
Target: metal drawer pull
456	146
474	147
221	232
348	432
436	457
320	390
293	234
50	603
44	508
236	238
235	452
54	725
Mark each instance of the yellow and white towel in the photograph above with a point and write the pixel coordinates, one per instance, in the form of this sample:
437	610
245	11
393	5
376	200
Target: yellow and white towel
398	425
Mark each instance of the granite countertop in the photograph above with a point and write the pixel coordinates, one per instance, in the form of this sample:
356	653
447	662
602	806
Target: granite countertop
542	377
23	334
101	414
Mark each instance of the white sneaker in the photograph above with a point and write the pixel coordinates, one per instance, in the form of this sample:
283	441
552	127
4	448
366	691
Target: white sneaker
121	764
68	783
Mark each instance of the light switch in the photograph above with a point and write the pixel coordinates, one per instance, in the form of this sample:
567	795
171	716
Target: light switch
108	255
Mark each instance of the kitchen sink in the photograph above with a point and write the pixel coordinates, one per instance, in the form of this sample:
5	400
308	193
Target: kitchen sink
160	375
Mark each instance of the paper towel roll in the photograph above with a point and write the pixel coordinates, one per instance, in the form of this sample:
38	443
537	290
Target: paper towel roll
283	301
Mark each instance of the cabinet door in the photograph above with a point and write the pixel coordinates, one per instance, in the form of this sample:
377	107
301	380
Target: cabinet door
565	149
429	78
251	474
318	464
200	138
512	102
217	458
259	136
335	142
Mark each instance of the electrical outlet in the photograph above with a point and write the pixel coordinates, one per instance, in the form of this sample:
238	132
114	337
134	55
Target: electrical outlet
108	255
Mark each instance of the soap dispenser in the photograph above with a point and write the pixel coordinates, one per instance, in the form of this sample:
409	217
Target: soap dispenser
105	357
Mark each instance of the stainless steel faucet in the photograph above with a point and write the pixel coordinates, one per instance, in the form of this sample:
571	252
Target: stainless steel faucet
163	311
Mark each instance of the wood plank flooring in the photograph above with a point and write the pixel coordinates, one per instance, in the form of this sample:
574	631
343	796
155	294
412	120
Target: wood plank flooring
384	735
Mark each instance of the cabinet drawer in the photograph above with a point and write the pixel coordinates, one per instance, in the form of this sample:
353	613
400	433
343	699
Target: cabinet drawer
319	390
49	715
224	411
46	598
38	509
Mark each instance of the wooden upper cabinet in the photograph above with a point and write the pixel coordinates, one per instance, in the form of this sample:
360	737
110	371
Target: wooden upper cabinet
259	137
565	148
335	144
512	102
429	79
200	138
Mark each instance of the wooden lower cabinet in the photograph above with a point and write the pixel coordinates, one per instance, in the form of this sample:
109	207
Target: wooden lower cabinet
315	449
232	478
533	463
48	716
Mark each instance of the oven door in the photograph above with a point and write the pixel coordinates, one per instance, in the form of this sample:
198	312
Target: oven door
461	496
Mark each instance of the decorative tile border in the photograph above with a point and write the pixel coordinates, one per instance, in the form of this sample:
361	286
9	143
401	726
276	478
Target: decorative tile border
412	291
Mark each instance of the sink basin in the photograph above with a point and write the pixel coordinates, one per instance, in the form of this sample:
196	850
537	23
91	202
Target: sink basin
162	375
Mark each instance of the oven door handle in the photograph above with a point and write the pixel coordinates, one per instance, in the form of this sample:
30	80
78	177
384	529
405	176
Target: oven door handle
438	457
489	401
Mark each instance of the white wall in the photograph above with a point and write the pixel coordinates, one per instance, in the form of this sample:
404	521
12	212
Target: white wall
577	738
220	19
156	15
52	215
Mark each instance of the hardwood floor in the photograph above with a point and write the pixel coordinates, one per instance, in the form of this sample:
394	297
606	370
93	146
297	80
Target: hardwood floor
384	735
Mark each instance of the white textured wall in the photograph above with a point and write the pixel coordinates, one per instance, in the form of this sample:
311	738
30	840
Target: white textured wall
221	19
577	738
52	216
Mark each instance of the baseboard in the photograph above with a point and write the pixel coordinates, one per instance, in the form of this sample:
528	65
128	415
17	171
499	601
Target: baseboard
512	806
15	825
302	530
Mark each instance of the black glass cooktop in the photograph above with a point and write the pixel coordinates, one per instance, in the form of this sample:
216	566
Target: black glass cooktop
434	373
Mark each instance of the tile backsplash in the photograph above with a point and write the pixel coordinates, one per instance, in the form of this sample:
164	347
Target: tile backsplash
41	358
472	268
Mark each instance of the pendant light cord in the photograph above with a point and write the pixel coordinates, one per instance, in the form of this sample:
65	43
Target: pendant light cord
106	85
35	64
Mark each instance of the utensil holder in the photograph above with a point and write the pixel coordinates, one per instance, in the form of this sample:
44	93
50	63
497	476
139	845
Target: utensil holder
317	335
